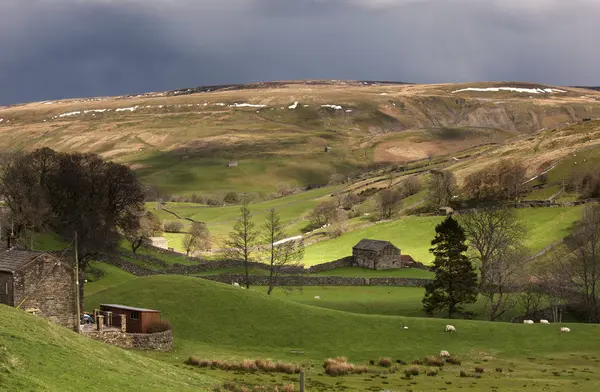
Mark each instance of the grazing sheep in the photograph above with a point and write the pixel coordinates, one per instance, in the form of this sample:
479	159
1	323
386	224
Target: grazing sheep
450	328
405	327
565	329
544	322
444	354
236	284
317	297
527	321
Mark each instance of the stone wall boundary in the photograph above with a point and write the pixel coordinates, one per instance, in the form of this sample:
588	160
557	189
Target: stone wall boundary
303	280
160	341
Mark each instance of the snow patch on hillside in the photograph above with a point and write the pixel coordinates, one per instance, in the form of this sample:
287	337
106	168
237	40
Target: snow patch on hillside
246	105
283	241
48	103
68	114
336	107
512	89
293	106
94	111
131	109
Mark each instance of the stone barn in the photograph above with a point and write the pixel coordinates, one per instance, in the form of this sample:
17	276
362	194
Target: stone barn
38	283
376	254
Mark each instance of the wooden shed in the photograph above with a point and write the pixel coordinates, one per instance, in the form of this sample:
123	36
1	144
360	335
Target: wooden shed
138	319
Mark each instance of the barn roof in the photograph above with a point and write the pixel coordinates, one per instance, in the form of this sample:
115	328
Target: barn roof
374	245
12	259
125	307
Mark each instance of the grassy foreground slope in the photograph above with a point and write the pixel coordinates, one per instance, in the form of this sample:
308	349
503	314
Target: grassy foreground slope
36	355
235	322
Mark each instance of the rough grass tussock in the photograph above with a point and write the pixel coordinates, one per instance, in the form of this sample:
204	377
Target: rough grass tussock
247	365
340	367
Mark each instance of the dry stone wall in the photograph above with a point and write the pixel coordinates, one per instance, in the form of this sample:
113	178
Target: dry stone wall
303	280
160	341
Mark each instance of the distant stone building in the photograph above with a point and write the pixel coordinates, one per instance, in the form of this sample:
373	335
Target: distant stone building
376	254
38	283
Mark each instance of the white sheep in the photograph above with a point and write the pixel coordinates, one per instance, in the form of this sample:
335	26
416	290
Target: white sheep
544	321
450	328
317	297
444	354
236	284
565	329
405	327
527	321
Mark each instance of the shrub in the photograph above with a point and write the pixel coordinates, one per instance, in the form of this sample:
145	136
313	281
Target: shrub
412	371
417	362
231	198
160	326
288	388
372	362
463	374
193	360
478	369
385	362
432	372
434	361
173	226
340	366
498	370
453	361
400	362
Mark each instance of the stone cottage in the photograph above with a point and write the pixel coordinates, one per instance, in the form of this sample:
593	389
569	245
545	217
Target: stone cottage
376	254
38	283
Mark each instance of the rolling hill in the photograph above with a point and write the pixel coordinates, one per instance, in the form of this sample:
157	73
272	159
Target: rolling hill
182	141
36	355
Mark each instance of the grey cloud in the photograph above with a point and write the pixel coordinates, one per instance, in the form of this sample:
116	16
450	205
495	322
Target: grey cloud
61	48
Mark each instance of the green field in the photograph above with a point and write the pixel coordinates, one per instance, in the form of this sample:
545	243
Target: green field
413	234
369	273
213	321
37	355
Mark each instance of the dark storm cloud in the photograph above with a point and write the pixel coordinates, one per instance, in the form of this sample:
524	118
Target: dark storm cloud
65	48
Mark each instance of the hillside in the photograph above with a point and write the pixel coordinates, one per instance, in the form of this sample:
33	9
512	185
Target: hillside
36	355
182	141
219	321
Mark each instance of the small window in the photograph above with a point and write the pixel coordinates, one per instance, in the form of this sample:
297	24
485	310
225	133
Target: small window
135	315
6	287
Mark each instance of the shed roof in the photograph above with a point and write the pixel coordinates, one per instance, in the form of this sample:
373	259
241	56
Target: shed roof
374	245
12	260
125	307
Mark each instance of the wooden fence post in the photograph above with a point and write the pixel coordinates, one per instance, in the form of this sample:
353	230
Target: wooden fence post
301	381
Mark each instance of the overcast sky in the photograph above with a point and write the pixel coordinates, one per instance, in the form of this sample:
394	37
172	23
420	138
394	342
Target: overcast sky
53	49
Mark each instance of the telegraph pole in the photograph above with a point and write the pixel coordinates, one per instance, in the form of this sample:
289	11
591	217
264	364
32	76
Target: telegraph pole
77	284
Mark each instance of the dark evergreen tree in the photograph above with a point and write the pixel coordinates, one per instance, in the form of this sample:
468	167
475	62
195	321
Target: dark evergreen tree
455	280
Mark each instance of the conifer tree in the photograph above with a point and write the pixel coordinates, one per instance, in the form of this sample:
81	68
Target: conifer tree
455	280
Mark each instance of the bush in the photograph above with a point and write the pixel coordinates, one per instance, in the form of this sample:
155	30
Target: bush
412	371
434	361
159	326
453	361
372	362
231	198
400	362
385	362
463	374
432	372
498	370
417	362
173	226
478	370
340	367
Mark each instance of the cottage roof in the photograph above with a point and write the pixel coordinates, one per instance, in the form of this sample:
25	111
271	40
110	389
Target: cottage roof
125	307
373	245
407	259
12	259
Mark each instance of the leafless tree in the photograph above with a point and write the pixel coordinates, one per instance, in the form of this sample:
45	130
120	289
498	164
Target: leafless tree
388	203
242	240
149	225
324	213
198	238
495	239
410	186
442	187
511	179
279	252
530	298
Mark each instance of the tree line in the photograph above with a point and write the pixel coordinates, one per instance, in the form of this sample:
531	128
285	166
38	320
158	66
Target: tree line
482	254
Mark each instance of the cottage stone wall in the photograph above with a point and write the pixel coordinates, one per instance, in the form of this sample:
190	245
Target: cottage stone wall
160	341
47	284
304	280
387	258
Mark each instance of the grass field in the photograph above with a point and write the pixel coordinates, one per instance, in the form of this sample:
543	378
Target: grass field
36	355
413	234
217	321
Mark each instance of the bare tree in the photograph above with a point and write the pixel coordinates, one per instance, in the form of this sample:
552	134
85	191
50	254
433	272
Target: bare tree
197	238
242	240
280	251
149	225
495	239
324	213
410	186
511	179
530	298
553	279
388	202
442	187
584	259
